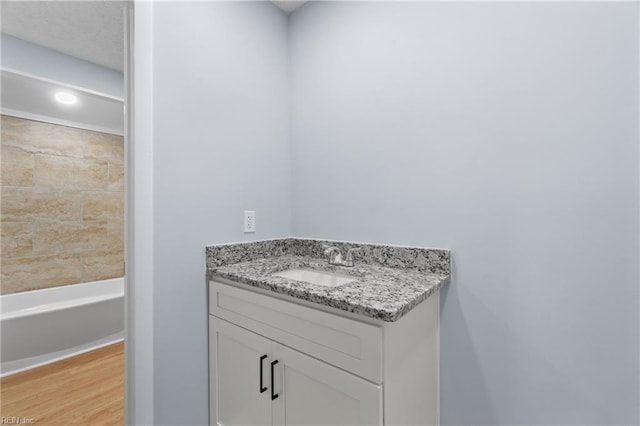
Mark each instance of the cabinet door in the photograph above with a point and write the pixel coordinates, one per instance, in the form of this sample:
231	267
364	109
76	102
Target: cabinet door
238	395
312	392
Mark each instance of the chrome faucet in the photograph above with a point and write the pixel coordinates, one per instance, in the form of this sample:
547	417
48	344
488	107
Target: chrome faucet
334	257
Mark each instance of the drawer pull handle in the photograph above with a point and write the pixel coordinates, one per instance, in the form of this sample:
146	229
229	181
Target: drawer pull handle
273	395
262	389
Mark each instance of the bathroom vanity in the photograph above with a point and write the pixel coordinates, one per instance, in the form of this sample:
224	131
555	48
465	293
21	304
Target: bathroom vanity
294	340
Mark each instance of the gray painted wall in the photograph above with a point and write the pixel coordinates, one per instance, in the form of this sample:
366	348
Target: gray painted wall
508	133
20	55
221	145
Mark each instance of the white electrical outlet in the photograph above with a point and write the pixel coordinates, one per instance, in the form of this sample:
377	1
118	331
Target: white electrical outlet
249	221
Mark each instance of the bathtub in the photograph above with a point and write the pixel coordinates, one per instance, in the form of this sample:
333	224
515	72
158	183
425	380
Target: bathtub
42	326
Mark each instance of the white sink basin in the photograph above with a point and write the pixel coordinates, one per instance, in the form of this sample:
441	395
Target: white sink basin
327	279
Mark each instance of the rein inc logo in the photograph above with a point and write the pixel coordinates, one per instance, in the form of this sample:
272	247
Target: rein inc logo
15	420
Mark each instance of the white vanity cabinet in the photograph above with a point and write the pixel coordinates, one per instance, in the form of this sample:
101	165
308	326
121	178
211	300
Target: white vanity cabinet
260	382
273	360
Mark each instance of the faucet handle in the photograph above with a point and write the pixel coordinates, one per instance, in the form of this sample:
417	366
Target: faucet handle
329	251
350	254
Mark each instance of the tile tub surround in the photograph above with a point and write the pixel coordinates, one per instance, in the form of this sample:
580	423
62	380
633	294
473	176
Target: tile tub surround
391	280
62	205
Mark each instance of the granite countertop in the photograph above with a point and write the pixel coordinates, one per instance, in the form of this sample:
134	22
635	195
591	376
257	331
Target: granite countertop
379	291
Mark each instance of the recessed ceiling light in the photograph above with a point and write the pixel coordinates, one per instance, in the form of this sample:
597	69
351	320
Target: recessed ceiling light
66	98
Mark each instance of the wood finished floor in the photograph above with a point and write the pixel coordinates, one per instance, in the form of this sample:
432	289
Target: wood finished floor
83	390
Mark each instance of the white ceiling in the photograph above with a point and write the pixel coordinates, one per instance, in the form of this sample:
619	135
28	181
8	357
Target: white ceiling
33	98
89	30
288	5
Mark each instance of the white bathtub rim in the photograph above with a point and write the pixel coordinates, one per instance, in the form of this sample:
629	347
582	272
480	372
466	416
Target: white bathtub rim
16	305
53	307
18	366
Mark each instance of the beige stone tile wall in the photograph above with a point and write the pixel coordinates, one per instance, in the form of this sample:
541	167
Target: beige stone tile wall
61	205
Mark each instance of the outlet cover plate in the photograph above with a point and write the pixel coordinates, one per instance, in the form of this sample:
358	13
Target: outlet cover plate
249	221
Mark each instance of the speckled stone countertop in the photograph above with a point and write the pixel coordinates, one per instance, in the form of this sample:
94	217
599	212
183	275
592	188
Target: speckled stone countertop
390	280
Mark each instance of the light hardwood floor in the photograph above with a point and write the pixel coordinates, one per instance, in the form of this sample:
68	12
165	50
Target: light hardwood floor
83	390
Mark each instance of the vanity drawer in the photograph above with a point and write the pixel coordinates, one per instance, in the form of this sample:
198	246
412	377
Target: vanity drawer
346	343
